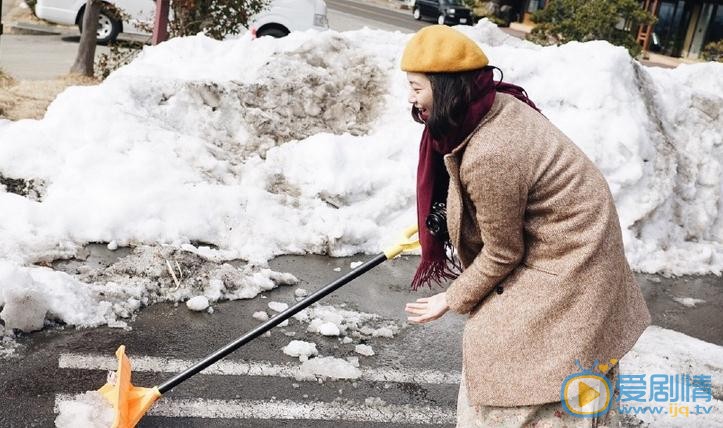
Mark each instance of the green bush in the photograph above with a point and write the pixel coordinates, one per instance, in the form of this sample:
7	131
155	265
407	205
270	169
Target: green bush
616	21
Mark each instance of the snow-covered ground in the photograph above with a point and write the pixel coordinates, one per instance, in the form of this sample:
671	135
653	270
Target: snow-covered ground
203	151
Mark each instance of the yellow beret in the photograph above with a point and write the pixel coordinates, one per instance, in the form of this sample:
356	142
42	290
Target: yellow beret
441	49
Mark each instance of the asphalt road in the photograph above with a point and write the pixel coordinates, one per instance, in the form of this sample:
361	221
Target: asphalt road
400	20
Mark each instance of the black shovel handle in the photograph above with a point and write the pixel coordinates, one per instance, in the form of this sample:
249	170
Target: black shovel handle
273	322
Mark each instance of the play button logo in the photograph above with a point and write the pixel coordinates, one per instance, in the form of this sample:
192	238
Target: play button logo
586	394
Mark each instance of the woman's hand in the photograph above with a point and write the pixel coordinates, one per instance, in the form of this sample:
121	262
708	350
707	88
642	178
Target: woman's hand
427	308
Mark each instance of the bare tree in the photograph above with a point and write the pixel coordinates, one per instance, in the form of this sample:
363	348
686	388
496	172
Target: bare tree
86	48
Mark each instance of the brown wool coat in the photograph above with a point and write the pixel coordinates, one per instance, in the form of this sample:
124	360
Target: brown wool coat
552	242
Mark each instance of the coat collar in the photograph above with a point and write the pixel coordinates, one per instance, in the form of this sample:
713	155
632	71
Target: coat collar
494	111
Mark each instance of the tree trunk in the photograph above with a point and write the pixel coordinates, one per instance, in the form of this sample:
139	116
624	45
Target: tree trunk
86	48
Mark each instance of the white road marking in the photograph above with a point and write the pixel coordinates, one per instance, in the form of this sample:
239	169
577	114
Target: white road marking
241	368
291	410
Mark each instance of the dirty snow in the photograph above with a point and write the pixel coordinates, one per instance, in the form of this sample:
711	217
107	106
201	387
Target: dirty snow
93	296
247	149
663	351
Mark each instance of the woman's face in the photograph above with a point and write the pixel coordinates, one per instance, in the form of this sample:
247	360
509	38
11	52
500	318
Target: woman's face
420	93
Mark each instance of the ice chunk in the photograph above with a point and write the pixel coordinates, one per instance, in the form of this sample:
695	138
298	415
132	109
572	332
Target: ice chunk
300	292
301	349
365	350
329	329
374	402
689	302
383	332
329	367
278	306
261	316
355	265
24	309
198	303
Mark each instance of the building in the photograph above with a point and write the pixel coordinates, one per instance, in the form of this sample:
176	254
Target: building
683	28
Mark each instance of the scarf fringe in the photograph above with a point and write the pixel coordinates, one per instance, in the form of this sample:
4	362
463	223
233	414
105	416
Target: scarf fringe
436	271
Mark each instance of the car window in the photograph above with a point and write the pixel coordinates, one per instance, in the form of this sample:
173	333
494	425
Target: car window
452	2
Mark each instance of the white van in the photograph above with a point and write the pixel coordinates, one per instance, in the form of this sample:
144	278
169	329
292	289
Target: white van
282	16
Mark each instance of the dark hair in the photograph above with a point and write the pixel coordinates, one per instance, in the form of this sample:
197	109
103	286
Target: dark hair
451	95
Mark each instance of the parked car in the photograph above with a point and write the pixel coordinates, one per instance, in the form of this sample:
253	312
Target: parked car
443	11
282	17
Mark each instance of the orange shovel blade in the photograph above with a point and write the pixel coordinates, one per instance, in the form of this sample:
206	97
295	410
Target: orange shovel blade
129	402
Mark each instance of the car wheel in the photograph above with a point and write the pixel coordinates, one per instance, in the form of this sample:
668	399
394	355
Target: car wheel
273	32
441	19
417	14
108	27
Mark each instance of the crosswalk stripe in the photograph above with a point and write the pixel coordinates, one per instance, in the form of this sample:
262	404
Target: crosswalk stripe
291	410
241	368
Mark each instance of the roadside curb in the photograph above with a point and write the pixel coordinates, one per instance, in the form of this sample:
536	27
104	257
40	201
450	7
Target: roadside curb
28	28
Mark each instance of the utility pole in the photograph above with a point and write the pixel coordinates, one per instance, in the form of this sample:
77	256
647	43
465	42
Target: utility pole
160	22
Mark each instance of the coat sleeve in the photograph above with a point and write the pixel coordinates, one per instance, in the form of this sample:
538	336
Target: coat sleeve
497	189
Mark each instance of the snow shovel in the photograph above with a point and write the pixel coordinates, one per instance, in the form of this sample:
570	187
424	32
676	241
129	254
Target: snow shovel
130	402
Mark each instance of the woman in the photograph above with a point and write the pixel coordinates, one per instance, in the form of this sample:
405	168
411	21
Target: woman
544	277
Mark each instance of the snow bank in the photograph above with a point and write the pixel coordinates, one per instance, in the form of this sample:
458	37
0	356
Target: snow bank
256	148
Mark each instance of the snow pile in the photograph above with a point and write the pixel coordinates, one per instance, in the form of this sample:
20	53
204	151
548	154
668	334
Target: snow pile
662	351
96	296
247	149
88	410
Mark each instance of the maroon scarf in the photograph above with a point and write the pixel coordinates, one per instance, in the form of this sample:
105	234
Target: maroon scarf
437	262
